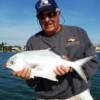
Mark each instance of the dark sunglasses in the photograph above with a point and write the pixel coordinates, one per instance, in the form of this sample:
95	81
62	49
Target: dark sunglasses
49	14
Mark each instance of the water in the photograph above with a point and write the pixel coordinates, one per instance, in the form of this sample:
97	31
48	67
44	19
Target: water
95	89
11	87
14	88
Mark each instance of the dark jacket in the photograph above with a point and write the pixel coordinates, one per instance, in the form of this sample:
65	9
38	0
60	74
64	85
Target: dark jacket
74	43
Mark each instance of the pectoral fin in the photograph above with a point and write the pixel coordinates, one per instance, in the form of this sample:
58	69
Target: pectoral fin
47	75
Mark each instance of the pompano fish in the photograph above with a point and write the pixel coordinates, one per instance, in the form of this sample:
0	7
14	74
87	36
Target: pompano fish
44	62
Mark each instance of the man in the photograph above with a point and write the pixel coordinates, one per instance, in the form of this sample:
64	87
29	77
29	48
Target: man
68	41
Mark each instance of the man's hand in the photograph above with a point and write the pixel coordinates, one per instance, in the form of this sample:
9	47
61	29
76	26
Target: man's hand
61	70
24	74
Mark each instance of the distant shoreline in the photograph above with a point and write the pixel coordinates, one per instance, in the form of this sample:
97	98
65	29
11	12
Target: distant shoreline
97	51
22	50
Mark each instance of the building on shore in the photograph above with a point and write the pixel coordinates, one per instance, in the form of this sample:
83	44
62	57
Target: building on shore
98	48
4	47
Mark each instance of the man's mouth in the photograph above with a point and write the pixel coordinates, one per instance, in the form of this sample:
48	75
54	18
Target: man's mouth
49	26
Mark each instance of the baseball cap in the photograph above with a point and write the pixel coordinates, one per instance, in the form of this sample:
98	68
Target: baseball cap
46	5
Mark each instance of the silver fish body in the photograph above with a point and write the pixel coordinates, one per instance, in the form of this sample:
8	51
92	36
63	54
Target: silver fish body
44	62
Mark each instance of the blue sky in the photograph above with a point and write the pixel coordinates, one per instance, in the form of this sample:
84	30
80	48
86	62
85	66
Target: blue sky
18	18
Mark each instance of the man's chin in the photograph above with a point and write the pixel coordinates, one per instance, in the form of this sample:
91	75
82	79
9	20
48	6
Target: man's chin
50	32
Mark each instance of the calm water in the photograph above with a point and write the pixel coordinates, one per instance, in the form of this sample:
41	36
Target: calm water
13	88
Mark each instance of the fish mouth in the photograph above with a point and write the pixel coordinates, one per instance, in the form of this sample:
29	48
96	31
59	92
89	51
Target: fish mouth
5	65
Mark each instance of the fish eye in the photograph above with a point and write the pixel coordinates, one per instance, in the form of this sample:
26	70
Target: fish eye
11	62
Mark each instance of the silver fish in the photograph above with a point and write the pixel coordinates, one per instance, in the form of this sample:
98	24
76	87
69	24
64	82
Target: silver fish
44	62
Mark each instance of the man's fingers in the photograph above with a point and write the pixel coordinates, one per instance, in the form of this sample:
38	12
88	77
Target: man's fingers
60	70
28	74
65	57
24	74
71	70
63	70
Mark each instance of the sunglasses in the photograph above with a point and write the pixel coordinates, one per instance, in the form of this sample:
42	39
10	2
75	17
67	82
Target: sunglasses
48	14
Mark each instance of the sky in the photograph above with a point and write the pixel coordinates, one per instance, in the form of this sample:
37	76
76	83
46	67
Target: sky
18	19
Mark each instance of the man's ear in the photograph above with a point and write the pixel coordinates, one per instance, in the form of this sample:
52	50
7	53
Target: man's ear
59	13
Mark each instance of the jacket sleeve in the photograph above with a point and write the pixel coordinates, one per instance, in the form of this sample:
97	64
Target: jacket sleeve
89	50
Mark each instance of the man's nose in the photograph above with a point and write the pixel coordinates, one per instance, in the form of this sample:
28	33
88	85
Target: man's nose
47	18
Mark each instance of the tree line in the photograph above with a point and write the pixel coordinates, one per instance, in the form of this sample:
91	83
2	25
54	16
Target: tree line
9	48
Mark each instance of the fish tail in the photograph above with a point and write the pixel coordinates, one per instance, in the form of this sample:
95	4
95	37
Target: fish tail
77	65
81	62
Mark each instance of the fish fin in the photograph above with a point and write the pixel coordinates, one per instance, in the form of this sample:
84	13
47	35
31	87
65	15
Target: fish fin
86	95
77	65
43	74
80	72
81	62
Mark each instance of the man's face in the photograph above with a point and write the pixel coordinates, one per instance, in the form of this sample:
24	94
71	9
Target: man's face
49	22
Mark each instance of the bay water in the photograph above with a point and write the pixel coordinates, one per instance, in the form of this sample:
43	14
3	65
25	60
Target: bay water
14	88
